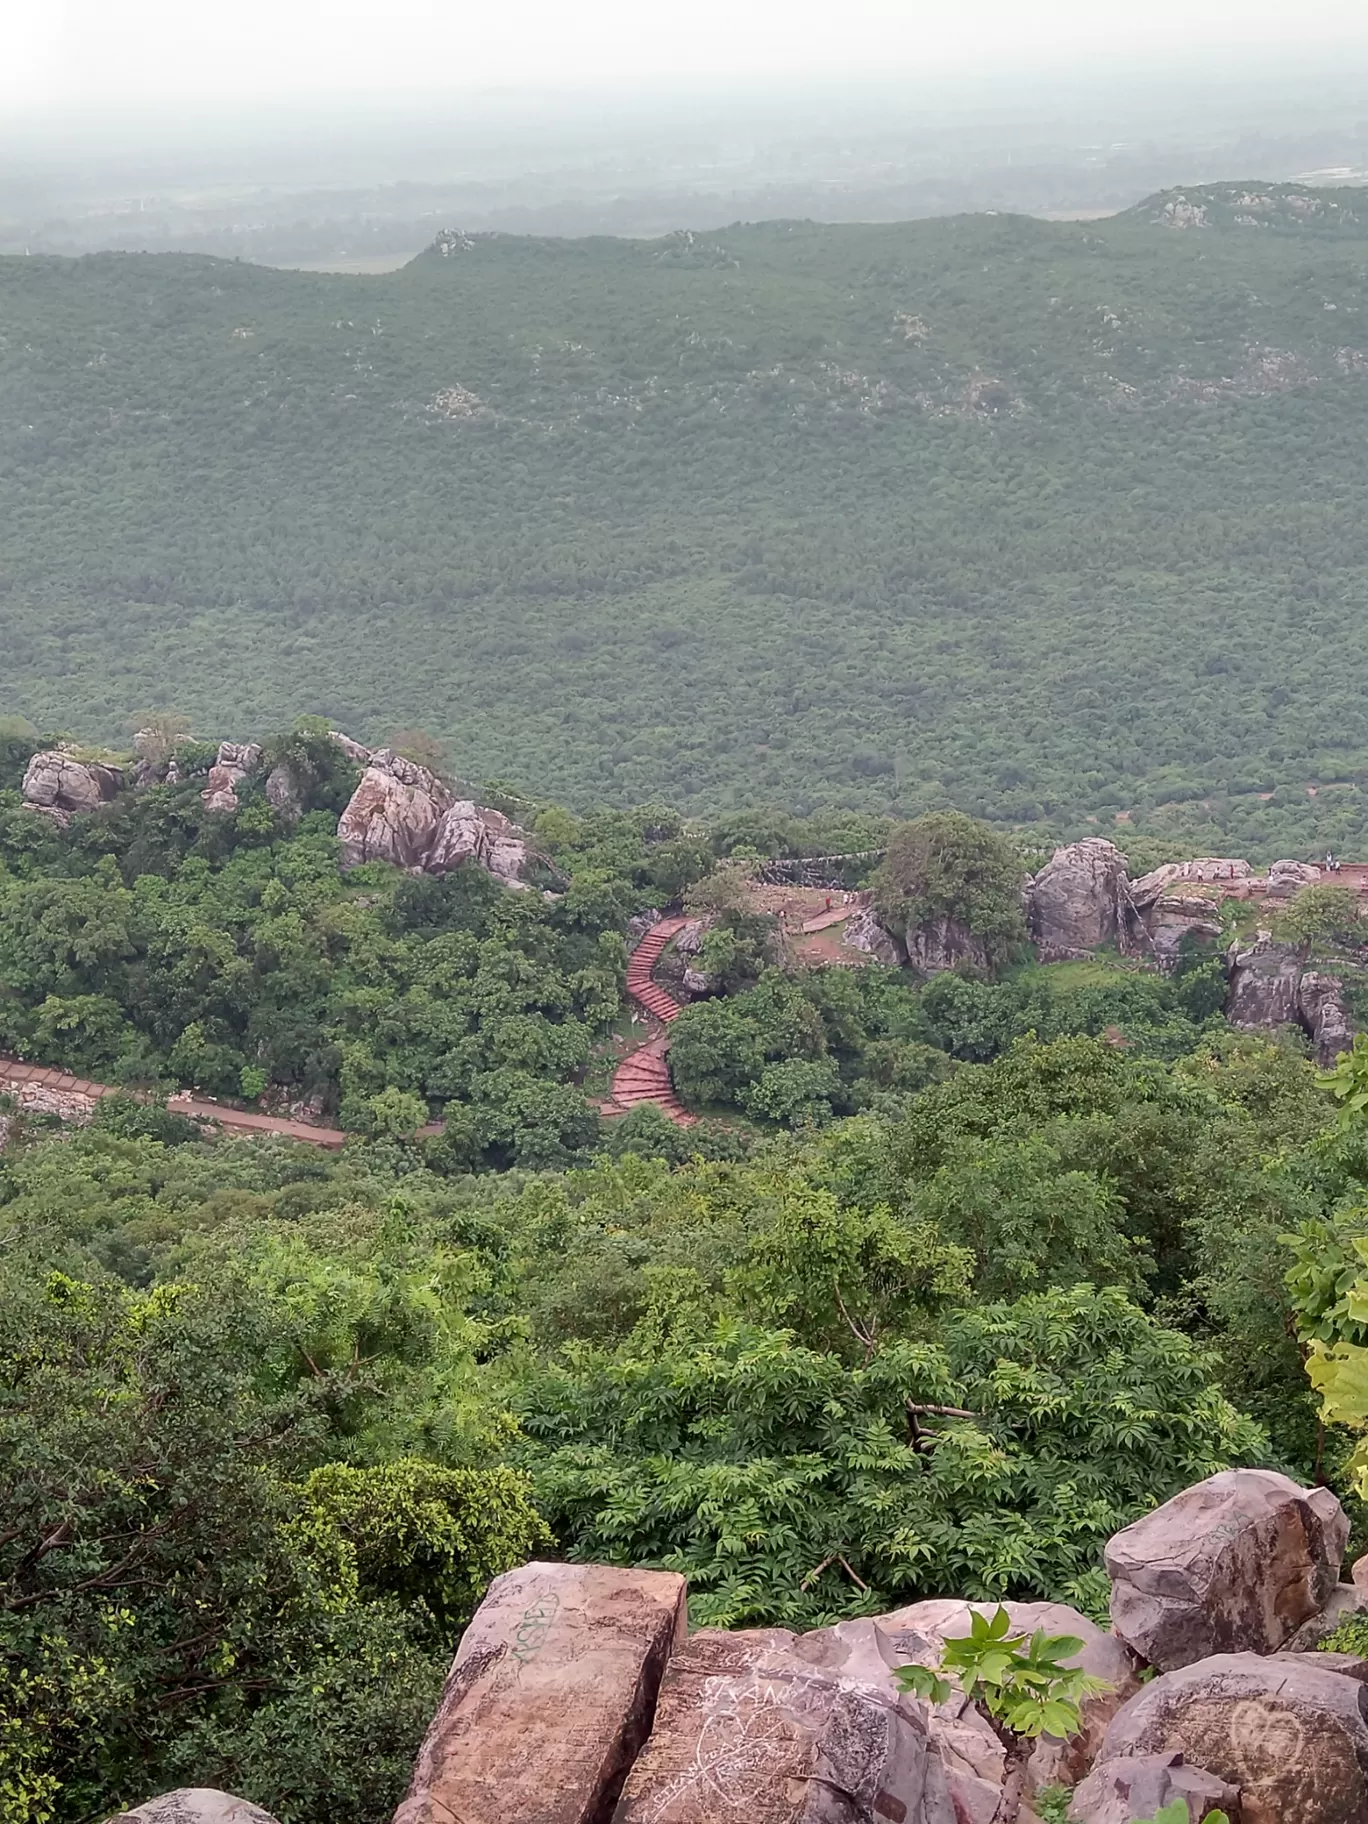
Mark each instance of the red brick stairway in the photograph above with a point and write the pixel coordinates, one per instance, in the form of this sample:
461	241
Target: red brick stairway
644	1075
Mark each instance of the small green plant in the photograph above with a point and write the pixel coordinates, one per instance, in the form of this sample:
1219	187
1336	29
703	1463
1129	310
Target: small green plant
1022	1685
1177	1812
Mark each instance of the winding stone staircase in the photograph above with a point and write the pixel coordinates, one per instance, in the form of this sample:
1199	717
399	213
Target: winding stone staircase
644	1074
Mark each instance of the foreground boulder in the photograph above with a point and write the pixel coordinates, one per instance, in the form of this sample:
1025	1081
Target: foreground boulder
393	814
1080	901
550	1696
1236	1563
1292	1738
61	786
775	1728
236	759
1103	1656
1121	1791
196	1805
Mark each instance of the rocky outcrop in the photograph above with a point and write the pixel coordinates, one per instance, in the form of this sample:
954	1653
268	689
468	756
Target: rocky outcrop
1183	899
549	1699
776	1728
352	749
60	786
1121	1791
402	813
1264	978
1291	1738
283	793
1080	901
1288	877
393	814
468	833
1102	1656
236	759
195	1805
943	943
863	931
1322	1011
1235	1564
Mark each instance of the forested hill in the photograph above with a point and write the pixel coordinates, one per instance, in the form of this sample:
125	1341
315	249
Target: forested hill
1050	521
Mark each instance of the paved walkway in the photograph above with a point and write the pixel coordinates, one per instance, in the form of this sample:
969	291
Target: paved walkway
47	1091
644	1075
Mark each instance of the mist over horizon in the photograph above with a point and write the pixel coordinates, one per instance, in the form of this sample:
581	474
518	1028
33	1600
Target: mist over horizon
358	180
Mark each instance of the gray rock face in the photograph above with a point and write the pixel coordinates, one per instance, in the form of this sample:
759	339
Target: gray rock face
1321	1009
862	931
919	1633
772	1728
195	1805
1121	1791
282	792
549	1698
1292	1738
393	814
1236	1563
1264	981
1080	900
235	760
61	786
942	943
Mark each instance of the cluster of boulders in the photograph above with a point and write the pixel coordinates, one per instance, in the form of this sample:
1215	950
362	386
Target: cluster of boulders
401	812
578	1695
59	784
1083	901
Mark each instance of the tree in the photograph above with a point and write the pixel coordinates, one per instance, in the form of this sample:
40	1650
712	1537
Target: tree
1021	1685
1325	914
949	866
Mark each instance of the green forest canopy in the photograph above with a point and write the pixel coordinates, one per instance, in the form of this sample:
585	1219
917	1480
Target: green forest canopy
1048	521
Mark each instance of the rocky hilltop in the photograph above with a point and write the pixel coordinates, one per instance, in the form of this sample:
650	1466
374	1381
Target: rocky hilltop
578	1695
400	811
1083	901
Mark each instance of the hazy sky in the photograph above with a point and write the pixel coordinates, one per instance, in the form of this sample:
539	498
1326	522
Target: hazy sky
58	53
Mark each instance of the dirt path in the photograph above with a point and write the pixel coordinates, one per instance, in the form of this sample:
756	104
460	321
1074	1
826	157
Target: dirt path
644	1075
45	1091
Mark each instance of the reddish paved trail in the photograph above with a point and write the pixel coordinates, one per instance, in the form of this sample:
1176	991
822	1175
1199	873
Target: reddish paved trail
643	1075
49	1091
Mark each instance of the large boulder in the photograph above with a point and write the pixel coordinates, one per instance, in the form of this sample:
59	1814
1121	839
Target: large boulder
469	832
1322	1011
863	931
236	759
1136	1786
1103	1656
195	1805
1236	1563
1263	982
775	1728
1200	870
59	785
393	814
1080	901
550	1696
1291	1737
